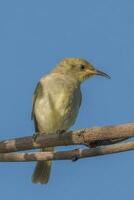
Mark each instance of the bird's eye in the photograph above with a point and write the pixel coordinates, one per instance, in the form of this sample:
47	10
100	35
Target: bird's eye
82	67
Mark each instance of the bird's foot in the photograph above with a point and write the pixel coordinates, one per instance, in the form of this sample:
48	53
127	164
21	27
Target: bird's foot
35	135
60	132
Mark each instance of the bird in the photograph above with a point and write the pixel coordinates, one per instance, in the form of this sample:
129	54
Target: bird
56	102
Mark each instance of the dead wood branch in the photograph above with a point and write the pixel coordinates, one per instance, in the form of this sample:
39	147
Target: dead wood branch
66	155
83	136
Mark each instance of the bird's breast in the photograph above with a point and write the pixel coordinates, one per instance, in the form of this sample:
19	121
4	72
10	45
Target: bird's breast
57	109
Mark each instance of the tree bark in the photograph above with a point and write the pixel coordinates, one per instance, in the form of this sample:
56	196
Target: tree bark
66	155
82	137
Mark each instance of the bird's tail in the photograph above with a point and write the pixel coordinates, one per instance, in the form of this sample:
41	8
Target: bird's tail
42	170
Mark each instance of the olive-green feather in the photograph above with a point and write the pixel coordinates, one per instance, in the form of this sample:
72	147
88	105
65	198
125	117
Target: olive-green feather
37	92
42	169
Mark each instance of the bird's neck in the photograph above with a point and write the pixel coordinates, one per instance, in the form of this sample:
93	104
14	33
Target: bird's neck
67	77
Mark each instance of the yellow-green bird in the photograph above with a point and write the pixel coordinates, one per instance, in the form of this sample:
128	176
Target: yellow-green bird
56	102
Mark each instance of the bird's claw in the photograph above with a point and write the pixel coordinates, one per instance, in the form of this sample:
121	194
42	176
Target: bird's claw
60	132
35	135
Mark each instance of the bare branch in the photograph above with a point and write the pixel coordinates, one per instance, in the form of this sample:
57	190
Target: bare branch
83	136
66	155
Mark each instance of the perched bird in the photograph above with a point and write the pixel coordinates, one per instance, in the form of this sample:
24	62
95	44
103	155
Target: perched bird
56	102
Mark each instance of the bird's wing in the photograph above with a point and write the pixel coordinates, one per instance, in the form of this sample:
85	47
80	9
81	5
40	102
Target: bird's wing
80	99
37	93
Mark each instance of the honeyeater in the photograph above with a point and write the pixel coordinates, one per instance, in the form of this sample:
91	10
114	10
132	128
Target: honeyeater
56	102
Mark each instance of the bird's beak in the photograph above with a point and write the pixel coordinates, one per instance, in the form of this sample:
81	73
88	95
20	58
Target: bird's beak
100	73
93	71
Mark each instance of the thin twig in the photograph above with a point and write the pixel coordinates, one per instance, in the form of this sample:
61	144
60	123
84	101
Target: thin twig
66	155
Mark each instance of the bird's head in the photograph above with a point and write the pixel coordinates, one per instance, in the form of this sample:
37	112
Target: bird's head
78	68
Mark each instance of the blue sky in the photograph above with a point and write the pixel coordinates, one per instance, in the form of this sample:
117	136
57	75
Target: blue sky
34	36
